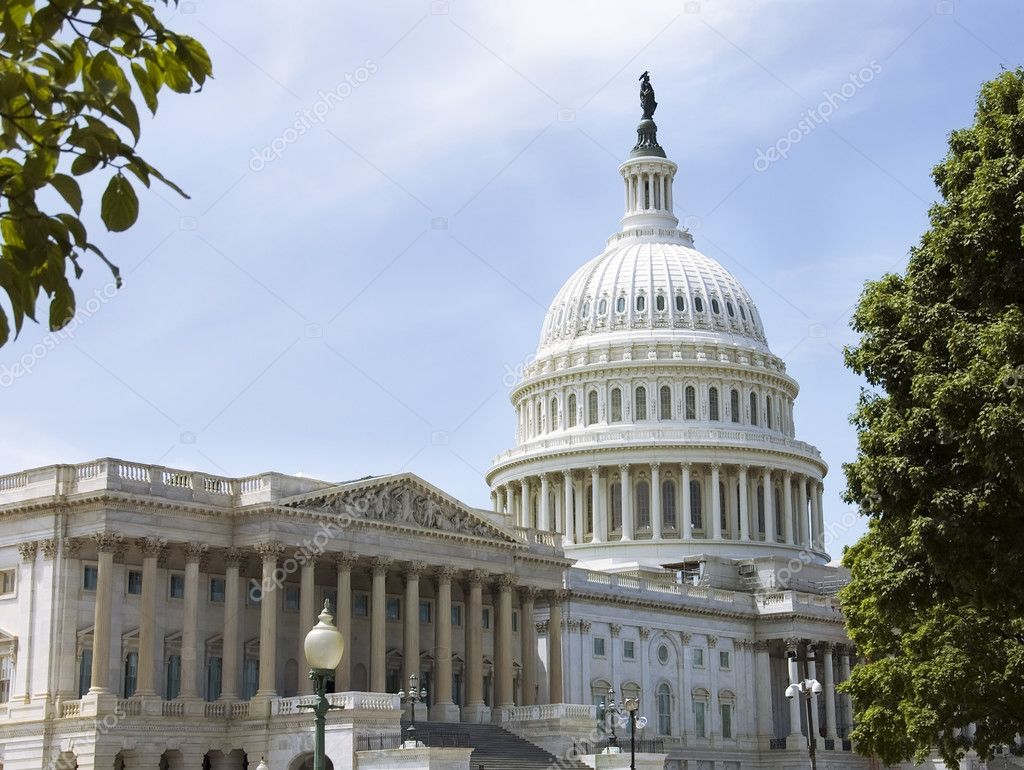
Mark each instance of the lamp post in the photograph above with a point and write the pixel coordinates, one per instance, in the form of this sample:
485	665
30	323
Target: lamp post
412	697
632	707
805	689
324	646
614	710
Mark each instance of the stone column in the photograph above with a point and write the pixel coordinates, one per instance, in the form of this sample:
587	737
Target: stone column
787	502
763	691
21	687
233	558
844	674
812	673
580	508
151	548
595	502
309	616
499	499
528	636
744	508
568	514
269	552
475	711
716	504
795	704
813	500
769	506
829	686
524	503
503	656
819	489
656	513
555	692
190	621
627	502
444	708
684	515
411	623
343	619
802	511
544	515
106	544
378	651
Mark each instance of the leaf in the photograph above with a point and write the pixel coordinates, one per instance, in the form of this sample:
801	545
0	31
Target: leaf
62	307
5	329
69	190
120	206
145	85
83	164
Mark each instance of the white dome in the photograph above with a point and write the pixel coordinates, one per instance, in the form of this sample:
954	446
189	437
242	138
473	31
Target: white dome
651	289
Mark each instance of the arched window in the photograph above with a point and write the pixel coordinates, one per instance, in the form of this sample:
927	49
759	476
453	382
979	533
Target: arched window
760	509
696	506
602	306
768	412
620	305
698	304
585	310
592	408
753	409
668	503
713	402
691	403
571	410
680	303
714	307
664	710
732	311
641	303
553	416
743	312
659	302
665	402
616	495
734	404
616	405
643	505
641	402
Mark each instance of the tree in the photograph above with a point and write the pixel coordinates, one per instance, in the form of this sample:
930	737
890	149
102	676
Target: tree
936	599
68	108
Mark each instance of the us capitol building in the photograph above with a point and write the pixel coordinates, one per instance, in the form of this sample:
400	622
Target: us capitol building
657	530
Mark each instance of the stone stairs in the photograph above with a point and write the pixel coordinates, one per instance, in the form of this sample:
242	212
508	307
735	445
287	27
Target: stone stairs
493	747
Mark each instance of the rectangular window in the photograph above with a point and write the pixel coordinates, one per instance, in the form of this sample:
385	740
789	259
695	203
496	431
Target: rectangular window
176	586
598	646
726	720
723	659
698	657
213	679
393	680
456	614
699	719
6	677
425	610
628	650
84	673
361	605
250	677
291	598
90	577
173	677
392	609
217	586
486	617
131	673
6	582
515	622
134	581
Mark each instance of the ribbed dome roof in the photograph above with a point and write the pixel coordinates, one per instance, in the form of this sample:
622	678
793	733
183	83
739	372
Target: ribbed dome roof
651	290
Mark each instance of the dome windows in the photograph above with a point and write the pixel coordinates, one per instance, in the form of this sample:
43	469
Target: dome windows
616	405
659	303
592	408
713	403
715	307
641	303
665	398
743	312
680	303
602	307
698	304
691	402
641	403
620	305
730	309
585	310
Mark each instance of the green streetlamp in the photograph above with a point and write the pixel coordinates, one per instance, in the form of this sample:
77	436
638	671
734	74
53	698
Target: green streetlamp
324	646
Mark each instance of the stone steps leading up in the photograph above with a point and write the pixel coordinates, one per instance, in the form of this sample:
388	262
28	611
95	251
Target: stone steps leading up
493	747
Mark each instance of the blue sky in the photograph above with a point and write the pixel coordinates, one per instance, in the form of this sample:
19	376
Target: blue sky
357	303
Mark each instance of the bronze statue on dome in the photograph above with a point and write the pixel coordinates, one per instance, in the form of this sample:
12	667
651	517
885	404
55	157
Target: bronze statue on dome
647	102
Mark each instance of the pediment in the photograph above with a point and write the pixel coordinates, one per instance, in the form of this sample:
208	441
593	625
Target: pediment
404	500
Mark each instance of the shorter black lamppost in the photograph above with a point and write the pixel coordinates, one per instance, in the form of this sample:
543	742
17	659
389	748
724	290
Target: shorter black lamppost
412	697
324	645
805	689
614	710
632	707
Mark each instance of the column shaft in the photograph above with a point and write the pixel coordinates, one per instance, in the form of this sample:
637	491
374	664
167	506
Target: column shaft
524	504
268	621
568	514
744	533
378	662
595	502
555	692
763	687
343	620
656	512
685	517
627	502
503	661
787	501
716	505
795	704
232	608
802	510
443	708
147	623
769	507
308	617
474	643
528	635
829	686
411	624
544	522
101	622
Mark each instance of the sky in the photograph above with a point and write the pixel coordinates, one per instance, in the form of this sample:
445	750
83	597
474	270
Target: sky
384	199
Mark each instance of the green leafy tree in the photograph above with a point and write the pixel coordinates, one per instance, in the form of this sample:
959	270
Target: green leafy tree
70	73
936	600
